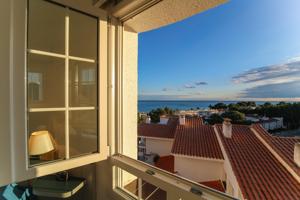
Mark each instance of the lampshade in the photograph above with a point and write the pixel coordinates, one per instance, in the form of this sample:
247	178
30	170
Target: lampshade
40	143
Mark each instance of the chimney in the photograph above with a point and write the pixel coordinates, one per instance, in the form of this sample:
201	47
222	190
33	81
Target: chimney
163	119
227	128
148	120
182	120
297	154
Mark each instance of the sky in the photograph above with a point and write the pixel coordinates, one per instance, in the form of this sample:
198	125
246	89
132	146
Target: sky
241	50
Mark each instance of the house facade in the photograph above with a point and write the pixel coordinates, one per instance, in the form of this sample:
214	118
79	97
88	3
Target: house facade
235	155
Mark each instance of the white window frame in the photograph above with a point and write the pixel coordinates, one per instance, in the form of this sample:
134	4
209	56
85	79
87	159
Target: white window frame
66	56
18	92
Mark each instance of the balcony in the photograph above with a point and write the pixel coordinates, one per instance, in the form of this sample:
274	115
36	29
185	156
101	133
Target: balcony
116	30
138	180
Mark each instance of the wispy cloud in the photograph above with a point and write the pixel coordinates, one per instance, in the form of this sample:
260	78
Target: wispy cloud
166	89
274	81
200	83
273	74
189	86
278	90
197	93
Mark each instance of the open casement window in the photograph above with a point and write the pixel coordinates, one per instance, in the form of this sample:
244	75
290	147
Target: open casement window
133	179
62	81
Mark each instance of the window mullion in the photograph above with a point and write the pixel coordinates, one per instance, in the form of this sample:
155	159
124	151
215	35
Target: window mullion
67	28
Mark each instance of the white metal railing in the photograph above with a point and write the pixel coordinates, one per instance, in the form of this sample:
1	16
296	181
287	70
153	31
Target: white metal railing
176	187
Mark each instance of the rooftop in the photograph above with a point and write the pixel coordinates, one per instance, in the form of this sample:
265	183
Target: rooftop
217	185
196	139
158	130
166	163
259	174
284	146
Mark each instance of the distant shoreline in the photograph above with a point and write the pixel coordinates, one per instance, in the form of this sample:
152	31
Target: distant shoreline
148	105
218	101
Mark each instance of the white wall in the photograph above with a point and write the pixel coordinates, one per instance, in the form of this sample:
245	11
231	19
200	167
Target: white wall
162	147
198	169
130	75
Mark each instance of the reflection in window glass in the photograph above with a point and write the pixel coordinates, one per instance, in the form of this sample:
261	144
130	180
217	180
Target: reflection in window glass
82	82
54	123
83	132
55	118
46	80
35	87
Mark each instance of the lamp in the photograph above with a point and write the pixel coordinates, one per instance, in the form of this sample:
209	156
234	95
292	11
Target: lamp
40	142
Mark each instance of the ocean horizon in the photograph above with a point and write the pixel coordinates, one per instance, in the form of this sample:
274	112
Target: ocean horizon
148	105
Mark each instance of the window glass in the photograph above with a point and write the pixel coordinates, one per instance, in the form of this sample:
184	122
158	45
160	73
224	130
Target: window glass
138	188
54	124
46	81
83	132
46	27
82	84
61	86
83	40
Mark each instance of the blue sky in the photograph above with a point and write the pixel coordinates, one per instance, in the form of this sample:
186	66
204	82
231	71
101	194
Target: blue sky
239	50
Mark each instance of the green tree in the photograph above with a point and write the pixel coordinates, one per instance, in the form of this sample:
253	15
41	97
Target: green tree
219	106
235	116
215	119
156	113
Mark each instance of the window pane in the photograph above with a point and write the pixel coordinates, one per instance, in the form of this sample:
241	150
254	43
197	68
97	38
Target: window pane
83	35
137	187
46	27
83	132
45	81
54	123
83	84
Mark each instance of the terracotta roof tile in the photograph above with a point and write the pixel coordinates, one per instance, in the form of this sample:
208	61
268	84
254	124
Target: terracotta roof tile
158	130
284	146
196	139
166	163
217	185
259	174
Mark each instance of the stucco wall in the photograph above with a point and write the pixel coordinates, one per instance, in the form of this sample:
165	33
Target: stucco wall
160	146
199	169
130	75
130	56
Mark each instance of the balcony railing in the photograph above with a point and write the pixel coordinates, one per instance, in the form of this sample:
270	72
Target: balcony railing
138	180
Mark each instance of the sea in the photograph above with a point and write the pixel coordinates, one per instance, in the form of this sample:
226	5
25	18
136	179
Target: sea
147	105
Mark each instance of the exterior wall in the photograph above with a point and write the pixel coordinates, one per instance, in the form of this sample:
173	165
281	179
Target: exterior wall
162	147
198	169
129	103
231	180
130	74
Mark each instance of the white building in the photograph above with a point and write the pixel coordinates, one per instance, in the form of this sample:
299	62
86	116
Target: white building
272	123
234	155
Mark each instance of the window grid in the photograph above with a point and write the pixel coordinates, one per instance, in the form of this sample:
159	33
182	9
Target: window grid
67	58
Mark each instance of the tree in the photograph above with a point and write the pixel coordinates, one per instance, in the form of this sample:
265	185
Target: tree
235	116
215	119
219	106
156	113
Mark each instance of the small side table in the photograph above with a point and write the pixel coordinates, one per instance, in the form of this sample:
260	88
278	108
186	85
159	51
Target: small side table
48	186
